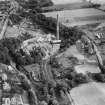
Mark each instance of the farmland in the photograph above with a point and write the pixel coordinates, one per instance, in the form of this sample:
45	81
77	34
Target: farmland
89	94
69	6
78	16
92	93
66	1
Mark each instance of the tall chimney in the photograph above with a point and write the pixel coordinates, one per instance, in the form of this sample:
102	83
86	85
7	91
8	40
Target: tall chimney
57	27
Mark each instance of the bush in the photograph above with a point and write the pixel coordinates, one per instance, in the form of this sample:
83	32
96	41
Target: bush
25	36
4	56
73	84
73	60
99	77
54	63
8	45
8	52
81	78
28	60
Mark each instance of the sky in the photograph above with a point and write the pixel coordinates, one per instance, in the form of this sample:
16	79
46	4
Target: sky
73	1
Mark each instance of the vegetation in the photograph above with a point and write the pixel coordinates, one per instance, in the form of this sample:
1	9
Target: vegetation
68	35
69	6
45	3
28	10
54	63
69	76
92	6
4	57
24	36
99	77
74	79
10	50
6	46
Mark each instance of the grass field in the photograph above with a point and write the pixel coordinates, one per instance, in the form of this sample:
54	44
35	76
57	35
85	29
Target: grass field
68	6
75	1
89	94
66	1
78	16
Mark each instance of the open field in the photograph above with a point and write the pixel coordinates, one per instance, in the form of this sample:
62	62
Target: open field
78	16
89	94
66	1
69	6
75	1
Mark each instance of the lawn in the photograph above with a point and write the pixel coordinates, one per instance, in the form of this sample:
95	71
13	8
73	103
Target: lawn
78	16
68	6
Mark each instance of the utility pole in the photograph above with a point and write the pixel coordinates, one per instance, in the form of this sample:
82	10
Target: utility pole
57	27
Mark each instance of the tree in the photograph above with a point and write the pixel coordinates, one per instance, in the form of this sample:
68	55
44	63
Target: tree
8	47
25	36
44	3
31	4
4	57
54	63
13	8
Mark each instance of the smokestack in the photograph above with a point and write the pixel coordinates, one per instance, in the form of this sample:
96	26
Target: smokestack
57	27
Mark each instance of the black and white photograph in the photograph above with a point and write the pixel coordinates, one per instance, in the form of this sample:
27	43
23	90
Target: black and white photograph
52	52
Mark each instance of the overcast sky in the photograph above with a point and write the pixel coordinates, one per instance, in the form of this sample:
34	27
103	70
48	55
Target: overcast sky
73	1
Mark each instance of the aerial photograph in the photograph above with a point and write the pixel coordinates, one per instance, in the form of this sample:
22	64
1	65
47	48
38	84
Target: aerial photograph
52	52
